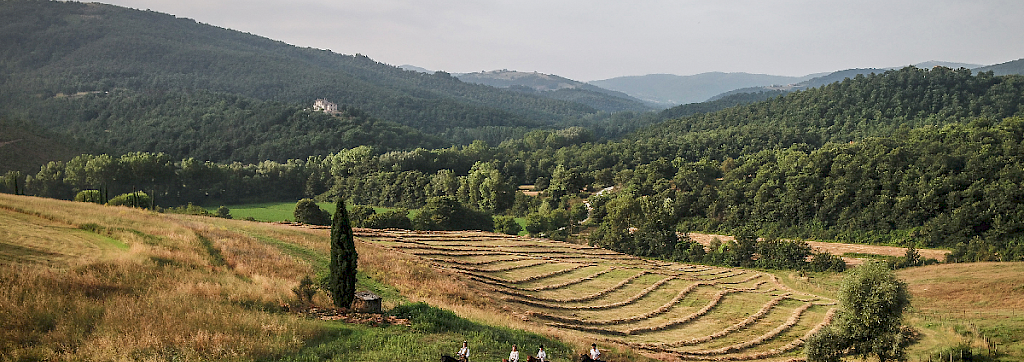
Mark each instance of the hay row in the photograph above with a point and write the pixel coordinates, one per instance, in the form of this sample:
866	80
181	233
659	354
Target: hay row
569	282
500	269
752	277
723	275
435	253
469	271
632	299
469	262
659	347
559	285
794	344
569	300
717	271
707	308
664	308
629	332
792	321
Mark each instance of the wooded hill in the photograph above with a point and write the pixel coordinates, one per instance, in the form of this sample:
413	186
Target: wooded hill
90	68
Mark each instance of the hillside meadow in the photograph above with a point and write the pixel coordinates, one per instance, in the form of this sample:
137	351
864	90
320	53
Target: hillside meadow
88	282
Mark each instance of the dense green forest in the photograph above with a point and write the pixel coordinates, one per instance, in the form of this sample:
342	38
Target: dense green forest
222	127
56	56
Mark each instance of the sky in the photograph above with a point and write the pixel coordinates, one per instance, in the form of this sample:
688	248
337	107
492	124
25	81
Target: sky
590	40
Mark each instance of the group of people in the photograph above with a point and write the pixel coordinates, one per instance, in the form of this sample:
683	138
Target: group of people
513	356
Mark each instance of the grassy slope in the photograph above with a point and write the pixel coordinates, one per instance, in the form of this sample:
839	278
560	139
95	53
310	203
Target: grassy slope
963	302
132	284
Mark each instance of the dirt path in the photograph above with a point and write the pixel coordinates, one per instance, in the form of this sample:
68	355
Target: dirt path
840	248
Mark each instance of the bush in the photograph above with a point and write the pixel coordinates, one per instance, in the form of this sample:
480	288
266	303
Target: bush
359	214
308	212
447	213
189	209
394	219
223	212
507	225
782	254
93	196
822	262
134	199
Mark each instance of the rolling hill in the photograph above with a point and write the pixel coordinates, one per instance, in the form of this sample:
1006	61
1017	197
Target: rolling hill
555	87
1011	67
75	67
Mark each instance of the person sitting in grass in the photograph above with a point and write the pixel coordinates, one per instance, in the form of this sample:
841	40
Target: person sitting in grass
541	355
463	354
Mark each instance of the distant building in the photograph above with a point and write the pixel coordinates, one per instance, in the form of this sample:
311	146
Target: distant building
325	106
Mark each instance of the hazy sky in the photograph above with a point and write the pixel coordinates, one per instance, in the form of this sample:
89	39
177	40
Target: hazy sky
598	39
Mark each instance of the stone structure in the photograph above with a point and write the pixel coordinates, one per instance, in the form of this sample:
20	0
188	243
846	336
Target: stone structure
366	302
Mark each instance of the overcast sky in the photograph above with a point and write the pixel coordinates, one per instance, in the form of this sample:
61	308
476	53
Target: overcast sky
598	39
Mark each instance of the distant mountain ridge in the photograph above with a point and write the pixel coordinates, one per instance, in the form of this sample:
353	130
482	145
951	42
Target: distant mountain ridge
1011	67
669	90
556	87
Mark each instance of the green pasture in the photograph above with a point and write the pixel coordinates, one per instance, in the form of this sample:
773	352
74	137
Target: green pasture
285	211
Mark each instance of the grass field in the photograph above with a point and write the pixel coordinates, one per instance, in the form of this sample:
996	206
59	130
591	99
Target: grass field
88	282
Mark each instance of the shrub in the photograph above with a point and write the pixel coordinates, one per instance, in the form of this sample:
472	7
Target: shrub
447	213
394	219
93	196
308	212
305	291
507	225
189	209
359	214
822	262
223	212
133	199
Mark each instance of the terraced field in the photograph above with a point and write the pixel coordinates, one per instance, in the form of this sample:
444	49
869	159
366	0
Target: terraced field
667	310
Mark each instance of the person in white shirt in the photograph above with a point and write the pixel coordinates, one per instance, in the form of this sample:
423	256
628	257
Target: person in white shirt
594	353
463	352
514	355
541	355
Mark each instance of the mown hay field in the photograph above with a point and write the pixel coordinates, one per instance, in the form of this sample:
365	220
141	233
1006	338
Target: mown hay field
666	310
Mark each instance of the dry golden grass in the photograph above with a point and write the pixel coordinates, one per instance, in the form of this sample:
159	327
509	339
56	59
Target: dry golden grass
165	297
963	303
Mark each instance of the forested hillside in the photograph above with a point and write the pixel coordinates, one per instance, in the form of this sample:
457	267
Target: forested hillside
56	58
1011	67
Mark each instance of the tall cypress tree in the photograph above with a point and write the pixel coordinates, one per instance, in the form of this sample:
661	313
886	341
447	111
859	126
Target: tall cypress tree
342	283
